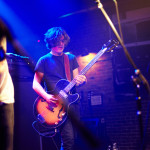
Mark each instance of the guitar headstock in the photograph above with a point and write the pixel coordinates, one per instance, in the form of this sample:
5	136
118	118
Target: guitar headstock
110	45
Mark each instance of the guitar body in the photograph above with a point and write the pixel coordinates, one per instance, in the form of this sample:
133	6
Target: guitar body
53	115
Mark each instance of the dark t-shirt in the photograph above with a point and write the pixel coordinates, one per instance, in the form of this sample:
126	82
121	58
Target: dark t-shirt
53	68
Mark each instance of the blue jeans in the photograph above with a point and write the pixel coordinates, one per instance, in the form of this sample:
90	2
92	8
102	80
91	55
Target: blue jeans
68	131
67	136
6	126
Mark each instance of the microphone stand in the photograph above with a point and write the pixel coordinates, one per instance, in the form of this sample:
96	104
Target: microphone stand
136	80
138	73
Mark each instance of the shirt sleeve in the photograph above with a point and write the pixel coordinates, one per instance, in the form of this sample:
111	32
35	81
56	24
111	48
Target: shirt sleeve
39	66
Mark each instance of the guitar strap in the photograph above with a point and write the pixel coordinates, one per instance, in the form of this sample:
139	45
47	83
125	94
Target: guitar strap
67	67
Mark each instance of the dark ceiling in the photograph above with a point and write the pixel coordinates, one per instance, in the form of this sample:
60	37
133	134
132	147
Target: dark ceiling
39	15
36	13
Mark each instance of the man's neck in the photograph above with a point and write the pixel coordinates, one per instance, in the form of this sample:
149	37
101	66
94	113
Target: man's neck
56	54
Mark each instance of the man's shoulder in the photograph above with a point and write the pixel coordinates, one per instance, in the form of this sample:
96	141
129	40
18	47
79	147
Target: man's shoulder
71	56
44	57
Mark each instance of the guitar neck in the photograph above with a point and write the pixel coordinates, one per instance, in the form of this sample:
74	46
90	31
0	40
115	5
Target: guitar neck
84	71
93	61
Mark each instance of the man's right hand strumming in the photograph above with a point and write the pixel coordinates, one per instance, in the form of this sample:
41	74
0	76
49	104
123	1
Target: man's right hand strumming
51	98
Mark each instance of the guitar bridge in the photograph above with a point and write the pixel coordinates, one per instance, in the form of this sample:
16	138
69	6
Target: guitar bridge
63	94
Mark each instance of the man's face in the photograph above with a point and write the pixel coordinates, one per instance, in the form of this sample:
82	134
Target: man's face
60	46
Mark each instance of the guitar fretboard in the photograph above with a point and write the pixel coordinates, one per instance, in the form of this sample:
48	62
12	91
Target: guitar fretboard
84	71
110	45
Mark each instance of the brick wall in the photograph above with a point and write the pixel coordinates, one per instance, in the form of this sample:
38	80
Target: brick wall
118	121
116	113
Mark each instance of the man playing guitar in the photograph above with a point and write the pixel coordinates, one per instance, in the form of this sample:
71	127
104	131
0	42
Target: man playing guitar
50	69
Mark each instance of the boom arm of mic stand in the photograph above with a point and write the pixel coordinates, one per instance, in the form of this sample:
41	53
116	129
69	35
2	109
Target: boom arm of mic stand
143	79
118	18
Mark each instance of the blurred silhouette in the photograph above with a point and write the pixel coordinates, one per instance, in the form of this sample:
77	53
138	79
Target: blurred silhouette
6	94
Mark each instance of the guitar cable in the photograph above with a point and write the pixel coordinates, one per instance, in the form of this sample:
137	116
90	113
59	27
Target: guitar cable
45	134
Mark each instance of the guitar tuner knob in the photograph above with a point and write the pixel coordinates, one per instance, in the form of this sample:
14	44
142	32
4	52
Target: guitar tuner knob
40	118
56	123
60	119
63	114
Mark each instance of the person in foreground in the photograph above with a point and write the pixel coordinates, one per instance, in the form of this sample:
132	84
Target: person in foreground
6	96
50	68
